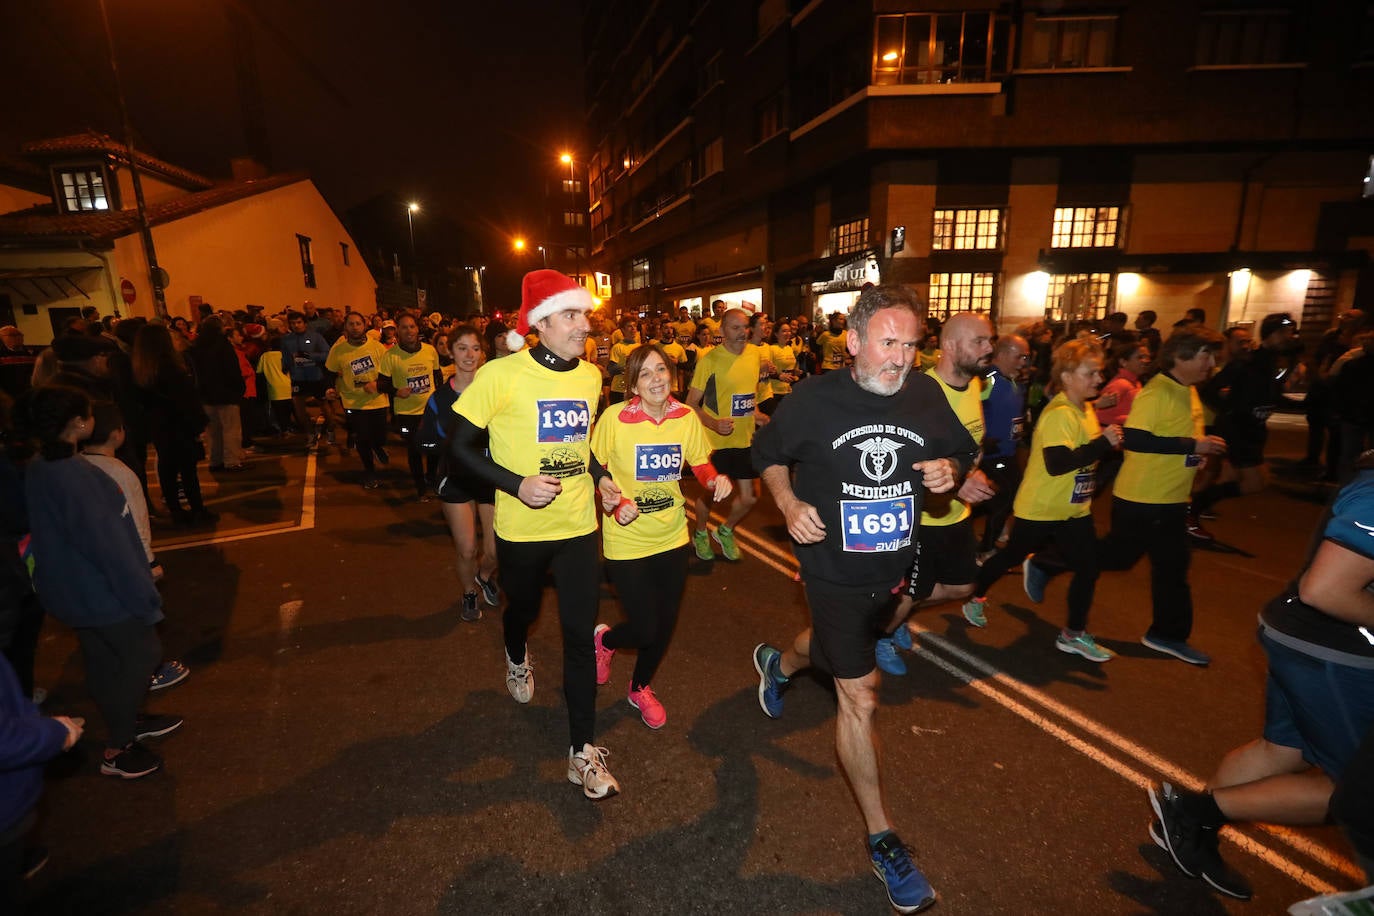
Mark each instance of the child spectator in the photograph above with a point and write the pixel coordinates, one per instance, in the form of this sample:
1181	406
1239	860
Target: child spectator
93	575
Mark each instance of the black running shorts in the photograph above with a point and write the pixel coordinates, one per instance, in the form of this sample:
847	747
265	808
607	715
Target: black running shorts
845	625
945	554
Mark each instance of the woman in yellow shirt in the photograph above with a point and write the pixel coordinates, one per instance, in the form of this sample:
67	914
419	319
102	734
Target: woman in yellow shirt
646	443
1054	502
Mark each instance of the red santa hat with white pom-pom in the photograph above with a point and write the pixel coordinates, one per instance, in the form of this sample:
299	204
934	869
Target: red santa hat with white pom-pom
542	293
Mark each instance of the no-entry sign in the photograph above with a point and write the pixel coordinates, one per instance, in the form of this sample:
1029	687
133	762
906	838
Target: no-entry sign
126	289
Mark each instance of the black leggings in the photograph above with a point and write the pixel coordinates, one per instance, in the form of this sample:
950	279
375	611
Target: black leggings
650	590
120	661
369	434
1352	804
1076	543
176	470
573	562
422	461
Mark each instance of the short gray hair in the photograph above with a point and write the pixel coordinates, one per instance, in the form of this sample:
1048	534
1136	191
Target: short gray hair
876	298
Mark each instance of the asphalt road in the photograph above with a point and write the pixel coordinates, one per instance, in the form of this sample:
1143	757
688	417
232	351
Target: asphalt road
350	747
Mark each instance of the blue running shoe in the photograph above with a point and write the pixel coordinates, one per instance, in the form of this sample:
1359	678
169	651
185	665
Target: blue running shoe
907	889
889	662
771	680
902	638
1034	579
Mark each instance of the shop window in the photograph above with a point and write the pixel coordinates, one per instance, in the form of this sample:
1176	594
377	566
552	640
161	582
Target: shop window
951	293
847	238
83	189
1086	227
307	260
966	230
926	48
1078	297
1243	38
1069	42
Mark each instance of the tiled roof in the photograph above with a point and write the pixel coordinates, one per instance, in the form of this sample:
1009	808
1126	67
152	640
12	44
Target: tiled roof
93	142
106	225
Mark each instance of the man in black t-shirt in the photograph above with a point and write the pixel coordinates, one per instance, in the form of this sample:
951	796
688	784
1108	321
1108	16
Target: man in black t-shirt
863	444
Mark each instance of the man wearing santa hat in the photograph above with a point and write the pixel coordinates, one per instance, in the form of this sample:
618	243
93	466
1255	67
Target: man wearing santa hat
537	405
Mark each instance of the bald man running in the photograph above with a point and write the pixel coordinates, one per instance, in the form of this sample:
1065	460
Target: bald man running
946	560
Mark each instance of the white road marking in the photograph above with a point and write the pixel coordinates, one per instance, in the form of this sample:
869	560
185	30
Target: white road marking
766	551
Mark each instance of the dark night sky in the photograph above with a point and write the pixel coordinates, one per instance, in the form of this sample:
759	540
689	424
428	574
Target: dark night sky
458	104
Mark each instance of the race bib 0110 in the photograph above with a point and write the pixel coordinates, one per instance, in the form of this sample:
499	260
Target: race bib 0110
875	525
658	463
563	420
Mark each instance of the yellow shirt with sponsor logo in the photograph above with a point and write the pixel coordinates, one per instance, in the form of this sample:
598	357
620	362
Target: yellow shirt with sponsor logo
355	367
834	351
943	509
539	421
1043	497
278	381
785	358
620	353
1167	408
729	386
647	459
414	371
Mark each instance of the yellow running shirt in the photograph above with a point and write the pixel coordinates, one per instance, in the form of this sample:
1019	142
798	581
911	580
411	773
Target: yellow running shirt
677	358
833	350
278	382
414	371
1167	408
540	423
620	352
729	386
943	509
647	459
785	358
1042	496
356	366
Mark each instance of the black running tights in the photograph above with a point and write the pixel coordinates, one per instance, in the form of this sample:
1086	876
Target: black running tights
650	590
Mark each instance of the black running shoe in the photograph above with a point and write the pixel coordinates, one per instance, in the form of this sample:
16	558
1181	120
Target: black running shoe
491	593
134	762
155	726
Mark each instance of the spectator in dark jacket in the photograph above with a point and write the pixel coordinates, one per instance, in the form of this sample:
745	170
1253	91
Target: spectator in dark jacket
91	569
219	381
175	420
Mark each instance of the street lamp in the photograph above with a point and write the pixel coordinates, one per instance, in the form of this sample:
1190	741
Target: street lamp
411	209
544	255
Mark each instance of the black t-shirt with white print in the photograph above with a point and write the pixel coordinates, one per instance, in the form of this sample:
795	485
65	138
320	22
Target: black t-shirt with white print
852	452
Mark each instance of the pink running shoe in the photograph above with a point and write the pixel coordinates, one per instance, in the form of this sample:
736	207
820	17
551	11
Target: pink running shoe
650	709
603	655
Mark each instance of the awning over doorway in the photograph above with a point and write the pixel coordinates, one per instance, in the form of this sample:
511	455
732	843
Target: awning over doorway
23	280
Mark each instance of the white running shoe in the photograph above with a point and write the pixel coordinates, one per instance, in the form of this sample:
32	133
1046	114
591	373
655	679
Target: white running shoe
587	768
520	678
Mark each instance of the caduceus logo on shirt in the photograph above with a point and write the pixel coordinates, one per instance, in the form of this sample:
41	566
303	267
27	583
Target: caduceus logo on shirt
879	457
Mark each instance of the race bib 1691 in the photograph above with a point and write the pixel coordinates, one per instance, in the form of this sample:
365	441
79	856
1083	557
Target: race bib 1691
872	525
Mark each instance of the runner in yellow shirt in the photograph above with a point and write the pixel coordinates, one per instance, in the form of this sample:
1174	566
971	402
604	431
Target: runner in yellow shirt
278	388
537	407
724	395
1054	503
784	359
411	373
356	361
620	353
647	443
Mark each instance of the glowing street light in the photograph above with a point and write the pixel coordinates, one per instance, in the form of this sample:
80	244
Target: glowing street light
411	209
518	244
566	158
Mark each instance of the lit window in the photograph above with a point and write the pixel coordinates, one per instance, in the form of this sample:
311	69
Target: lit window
1086	227
83	189
1078	297
847	238
1067	42
574	218
950	293
940	48
638	277
572	185
962	230
307	261
1242	38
